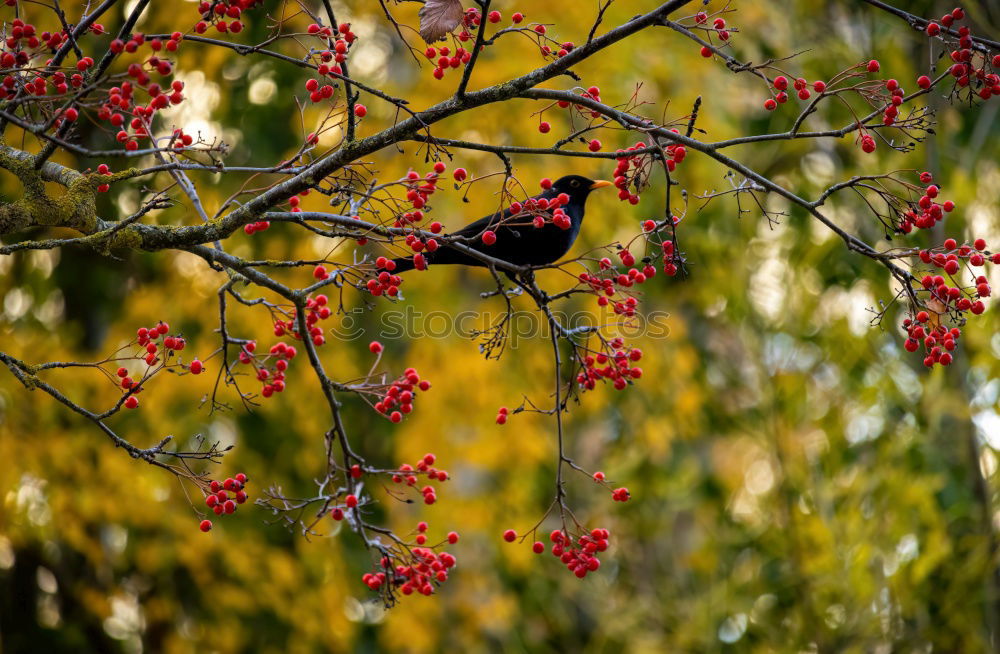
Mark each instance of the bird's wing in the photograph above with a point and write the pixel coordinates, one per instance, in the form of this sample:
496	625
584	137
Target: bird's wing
477	227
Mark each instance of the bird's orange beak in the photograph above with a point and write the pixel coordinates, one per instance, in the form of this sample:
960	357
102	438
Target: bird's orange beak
601	183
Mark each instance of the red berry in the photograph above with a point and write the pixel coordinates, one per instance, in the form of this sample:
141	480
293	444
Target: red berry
489	237
351	501
510	535
375	347
196	367
206	525
132	402
544	127
706	51
924	82
360	110
538	547
452	537
873	66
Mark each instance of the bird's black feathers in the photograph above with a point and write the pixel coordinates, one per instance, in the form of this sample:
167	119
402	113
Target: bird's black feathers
518	241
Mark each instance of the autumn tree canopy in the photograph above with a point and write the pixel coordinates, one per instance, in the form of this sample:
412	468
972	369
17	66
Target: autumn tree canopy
715	370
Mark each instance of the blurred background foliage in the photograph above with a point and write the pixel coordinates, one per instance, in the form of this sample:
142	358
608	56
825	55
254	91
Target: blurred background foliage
799	482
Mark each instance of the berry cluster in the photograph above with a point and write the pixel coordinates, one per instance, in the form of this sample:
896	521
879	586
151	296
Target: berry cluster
933	29
223	497
609	281
445	58
896	95
800	85
425	465
969	67
147	338
617	494
639	165
675	153
621	495
418	191
13	56
154	342
670	256
215	13
542	211
605	287
317	309
718	29
925	327
615	364
579	554
24	42
120	101
927	211
387	283
423	570
131	386
271	375
328	60
25	35
930	338
401	392
888	96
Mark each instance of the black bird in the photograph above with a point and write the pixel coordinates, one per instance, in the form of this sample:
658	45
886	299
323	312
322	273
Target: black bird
518	241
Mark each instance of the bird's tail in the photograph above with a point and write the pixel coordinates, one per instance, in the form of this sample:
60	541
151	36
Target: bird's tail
402	265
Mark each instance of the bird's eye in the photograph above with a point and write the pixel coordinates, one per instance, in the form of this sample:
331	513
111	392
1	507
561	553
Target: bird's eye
574	183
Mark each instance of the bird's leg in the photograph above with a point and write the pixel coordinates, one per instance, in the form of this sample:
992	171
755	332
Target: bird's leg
517	290
501	289
528	285
506	292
